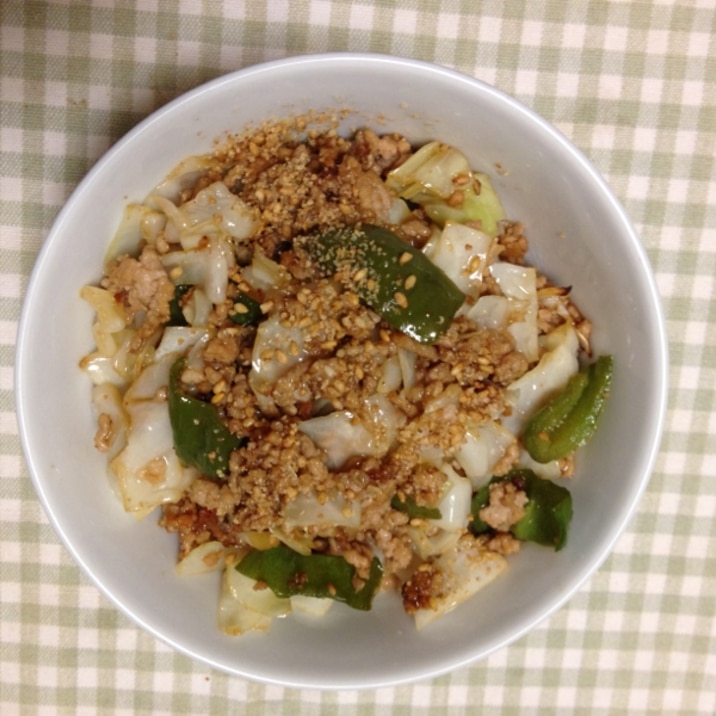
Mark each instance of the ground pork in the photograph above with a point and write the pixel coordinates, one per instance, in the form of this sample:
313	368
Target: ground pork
506	506
143	287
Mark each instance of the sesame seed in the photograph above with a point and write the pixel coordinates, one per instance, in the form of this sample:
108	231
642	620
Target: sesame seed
266	307
405	257
360	274
217	398
176	273
456	198
410	282
241	308
293	348
474	264
400	299
281	357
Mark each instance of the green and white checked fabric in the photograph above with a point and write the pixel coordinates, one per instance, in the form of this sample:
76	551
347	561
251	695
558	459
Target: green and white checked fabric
633	84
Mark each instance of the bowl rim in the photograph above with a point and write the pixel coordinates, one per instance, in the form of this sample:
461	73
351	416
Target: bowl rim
39	268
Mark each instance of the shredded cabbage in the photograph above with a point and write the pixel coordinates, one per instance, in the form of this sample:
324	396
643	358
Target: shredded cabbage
100	370
107	400
151	380
148	471
277	348
308	510
313	606
128	236
110	321
429	173
214	212
438	173
455	502
208	267
264	274
407	361
207	557
392	376
179	339
244	608
296	539
429	541
183	177
197	308
519	285
485	445
343	435
546	470
464	571
399	211
128	361
528	393
461	252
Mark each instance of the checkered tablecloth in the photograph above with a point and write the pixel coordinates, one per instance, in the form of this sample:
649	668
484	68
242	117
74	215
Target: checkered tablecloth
632	84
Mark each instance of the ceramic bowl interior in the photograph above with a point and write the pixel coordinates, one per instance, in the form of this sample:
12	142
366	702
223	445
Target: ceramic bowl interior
579	235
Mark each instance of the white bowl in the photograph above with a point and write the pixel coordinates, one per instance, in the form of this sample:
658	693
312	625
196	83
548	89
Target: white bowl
579	235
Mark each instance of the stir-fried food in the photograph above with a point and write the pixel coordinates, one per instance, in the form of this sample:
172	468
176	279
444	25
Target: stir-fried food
328	363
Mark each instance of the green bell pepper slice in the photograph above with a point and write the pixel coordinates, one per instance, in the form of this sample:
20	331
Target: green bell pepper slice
569	420
413	509
176	315
389	275
201	439
288	574
548	511
246	310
